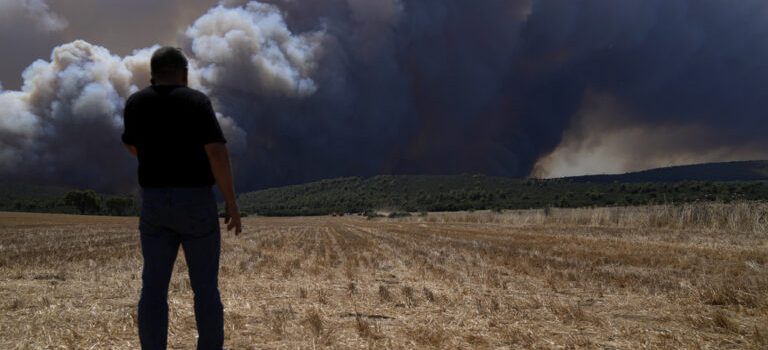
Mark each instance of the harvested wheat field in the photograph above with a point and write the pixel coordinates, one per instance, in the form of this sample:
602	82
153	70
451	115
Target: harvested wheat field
658	277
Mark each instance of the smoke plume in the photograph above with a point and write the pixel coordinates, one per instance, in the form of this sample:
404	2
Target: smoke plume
309	90
36	11
249	50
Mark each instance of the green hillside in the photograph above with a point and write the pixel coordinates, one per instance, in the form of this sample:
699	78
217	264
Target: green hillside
755	170
725	181
468	192
705	182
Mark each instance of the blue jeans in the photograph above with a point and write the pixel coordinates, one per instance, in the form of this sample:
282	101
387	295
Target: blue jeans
188	217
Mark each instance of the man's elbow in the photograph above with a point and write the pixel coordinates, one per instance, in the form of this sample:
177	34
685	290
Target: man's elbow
131	149
216	152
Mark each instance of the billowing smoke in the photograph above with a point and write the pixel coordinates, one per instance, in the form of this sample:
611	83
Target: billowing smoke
62	125
36	11
607	137
361	87
249	50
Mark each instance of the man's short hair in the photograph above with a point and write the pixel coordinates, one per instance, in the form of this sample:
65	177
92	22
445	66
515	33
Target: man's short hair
167	62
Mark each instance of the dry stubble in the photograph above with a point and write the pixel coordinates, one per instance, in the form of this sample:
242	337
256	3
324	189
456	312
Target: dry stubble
444	281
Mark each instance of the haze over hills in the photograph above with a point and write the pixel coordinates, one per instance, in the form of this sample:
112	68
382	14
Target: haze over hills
745	180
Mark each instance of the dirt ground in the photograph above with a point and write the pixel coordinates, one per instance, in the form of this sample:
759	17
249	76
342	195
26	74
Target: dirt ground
72	282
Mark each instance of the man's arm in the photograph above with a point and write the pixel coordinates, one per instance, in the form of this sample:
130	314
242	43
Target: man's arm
131	149
128	137
218	157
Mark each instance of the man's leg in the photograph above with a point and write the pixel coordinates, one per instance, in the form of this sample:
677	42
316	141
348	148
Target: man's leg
159	248
202	255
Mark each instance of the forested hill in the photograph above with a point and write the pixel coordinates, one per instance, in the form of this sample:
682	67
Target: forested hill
727	171
705	182
467	192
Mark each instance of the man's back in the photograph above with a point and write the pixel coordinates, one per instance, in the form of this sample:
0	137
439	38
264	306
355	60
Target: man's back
174	133
169	125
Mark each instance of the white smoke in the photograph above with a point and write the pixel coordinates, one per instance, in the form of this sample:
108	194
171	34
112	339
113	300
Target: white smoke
48	127
18	128
250	49
81	90
33	10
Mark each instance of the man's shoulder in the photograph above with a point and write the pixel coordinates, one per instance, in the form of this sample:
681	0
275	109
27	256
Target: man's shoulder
138	94
140	97
192	94
182	92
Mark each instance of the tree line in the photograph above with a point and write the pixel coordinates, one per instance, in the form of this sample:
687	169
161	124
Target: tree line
83	202
478	192
417	193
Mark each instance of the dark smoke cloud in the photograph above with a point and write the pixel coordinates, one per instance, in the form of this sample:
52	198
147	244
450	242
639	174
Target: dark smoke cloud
311	89
679	81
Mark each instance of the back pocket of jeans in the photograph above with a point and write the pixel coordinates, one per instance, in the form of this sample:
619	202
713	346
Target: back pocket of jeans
198	219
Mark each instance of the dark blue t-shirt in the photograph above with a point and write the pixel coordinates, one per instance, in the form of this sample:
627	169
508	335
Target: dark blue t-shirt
169	125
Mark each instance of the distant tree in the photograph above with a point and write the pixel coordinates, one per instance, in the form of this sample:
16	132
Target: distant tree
83	201
119	206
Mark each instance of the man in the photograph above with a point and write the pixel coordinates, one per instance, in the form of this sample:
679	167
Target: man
173	131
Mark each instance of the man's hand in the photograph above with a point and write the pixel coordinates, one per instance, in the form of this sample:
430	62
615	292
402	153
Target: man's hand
232	218
218	156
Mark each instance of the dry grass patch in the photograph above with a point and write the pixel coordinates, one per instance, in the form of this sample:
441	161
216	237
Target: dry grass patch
685	277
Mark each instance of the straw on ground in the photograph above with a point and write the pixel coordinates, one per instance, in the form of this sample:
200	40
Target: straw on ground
666	277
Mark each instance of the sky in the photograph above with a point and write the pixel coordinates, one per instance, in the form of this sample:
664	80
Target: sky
307	90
